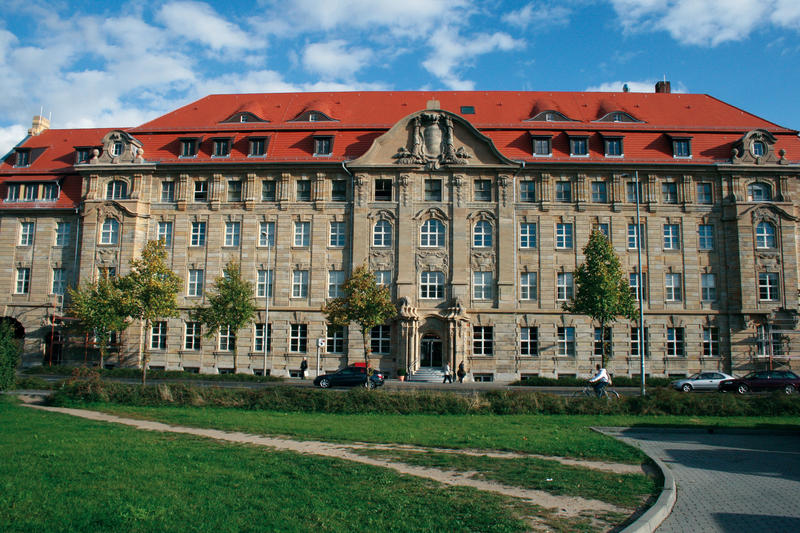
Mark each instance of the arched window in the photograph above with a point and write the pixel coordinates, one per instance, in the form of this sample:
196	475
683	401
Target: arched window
765	235
110	232
759	192
382	234
116	190
431	234
482	235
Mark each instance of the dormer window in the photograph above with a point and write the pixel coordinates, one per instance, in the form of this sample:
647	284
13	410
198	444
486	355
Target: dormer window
323	146
12	194
542	146
188	147
549	116
579	146
617	116
613	146
467	110
258	147
681	148
31	192
117	149
222	148
82	155
49	192
312	116
758	148
23	158
243	116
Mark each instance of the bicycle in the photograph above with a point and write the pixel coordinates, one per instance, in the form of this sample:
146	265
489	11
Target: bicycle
588	392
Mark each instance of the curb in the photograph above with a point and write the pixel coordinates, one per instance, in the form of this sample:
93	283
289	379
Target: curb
649	521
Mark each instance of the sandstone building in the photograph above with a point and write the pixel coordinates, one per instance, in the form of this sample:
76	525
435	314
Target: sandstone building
473	207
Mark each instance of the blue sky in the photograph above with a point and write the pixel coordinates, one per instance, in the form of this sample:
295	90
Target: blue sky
88	63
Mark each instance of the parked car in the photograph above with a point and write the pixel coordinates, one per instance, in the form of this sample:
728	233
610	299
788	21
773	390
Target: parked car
350	376
763	380
702	381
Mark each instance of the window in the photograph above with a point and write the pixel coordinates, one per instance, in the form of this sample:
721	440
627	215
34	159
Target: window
482	234
768	286
335	281
26	230
258	338
302	234
338	191
765	235
192	335
675	342
334	339
158	336
267	191
759	192
431	234
23	280
298	338
630	192
222	148
381	339
669	193
542	146
234	191
671	237
681	148
323	146
482	283
82	155
527	235
710	342
30	192
431	286
708	287
599	194
382	234
195	283
232	233
23	158
12	194
62	233
258	147
705	237
300	284
117	149
613	146
116	190
566	341
565	289
167	191
433	190
527	191
264	283
602	227
303	189
602	342
672	288
266	234
763	344
482	378
633	283
482	341
336	236
704	193
200	191
579	146
467	110
109	233
758	148
59	281
227	339
563	236
383	190
529	341
49	192
198	234
383	277
528	286
635	342
483	191
165	233
563	191
188	147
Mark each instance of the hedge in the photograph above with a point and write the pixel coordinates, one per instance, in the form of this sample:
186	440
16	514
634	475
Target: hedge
136	373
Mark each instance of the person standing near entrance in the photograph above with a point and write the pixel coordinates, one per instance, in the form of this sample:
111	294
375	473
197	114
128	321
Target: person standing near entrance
461	372
447	375
303	368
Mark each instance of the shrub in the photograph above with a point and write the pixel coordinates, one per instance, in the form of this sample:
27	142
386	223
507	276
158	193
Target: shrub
33	383
9	356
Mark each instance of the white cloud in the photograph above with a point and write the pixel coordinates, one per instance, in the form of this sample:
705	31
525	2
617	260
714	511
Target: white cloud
538	14
333	59
197	21
10	136
644	86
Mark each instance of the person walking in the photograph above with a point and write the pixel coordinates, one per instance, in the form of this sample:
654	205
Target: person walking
447	375
461	372
303	368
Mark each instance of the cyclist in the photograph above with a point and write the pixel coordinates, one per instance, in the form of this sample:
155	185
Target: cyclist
600	381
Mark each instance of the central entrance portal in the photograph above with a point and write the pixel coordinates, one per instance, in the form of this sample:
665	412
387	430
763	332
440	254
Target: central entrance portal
430	351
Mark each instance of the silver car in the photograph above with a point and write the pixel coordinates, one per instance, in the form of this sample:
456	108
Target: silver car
702	381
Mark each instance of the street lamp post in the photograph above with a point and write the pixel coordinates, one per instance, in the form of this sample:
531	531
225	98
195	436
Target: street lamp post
267	276
639	288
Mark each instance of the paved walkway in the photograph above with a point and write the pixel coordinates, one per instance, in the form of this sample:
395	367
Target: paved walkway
727	481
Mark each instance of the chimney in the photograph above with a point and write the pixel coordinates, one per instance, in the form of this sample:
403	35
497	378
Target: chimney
663	87
40	124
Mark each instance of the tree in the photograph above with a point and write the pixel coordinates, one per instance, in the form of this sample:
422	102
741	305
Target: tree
601	290
151	289
101	309
364	302
230	306
9	355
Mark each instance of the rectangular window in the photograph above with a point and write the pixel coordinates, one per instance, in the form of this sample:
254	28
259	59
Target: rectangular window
578	146
563	236
334	339
383	277
763	344
527	235
566	341
26	233
635	342
200	191
227	339
527	286
633	236
298	338
12	194
234	191
336	237
303	190
433	190
599	193
633	283
188	147
300	284
527	191
483	190
630	192
565	287
529	341
669	193
266	234
198	234
335	281
267	191
383	190
563	191
258	147
602	228
708	287
681	148
232	233
62	233
675	342
672	288
431	285
338	191
195	283
381	339
602	342
264	283
82	156
167	191
704	193
258	338
165	233
302	234
49	192
705	234
23	158
542	146
59	281
482	283
192	336
23	280
323	146
768	286
31	192
672	239
158	336
710	342
614	147
483	341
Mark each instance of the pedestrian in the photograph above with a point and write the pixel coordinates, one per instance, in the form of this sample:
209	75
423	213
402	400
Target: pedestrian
303	368
447	375
461	372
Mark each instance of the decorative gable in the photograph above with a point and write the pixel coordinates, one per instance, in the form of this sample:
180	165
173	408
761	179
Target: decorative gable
757	147
119	147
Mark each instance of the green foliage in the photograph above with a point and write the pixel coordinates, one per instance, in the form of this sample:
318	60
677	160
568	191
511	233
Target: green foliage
122	372
33	383
619	381
9	356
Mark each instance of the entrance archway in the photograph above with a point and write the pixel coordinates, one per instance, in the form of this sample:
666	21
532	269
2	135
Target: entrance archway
430	348
16	327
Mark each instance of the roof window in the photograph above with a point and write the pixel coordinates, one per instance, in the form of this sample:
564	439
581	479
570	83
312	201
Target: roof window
467	110
23	158
617	116
312	116
323	146
549	115
244	116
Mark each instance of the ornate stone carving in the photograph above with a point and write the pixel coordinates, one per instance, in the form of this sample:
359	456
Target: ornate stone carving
431	260
381	259
360	182
768	260
456	311
457	181
406	310
405	181
432	143
757	147
482	260
503	182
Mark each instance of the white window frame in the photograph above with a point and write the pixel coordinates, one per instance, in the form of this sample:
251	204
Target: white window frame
633	237
164	232
483	341
527	235
566	341
235	191
564	236
302	234
59	285
675	342
337	235
529	341
158	335
672	237
673	289
334	339
109	231
565	286
527	191
528	286
26	233
258	338
382	234
233	232
383	277
432	234
431	285
63	233
300	284
264	282
266	234
564	192
227	339
195	280
482	234
599	192
710	341
198	236
167	191
705	237
708	287
769	287
766	235
482	285
669	192
192	335
298	338
23	284
381	339
705	193
336	279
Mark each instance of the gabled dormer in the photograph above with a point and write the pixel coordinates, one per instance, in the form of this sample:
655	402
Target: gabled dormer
119	147
757	147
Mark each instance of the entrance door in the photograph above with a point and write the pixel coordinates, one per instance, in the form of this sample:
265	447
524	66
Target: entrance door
431	351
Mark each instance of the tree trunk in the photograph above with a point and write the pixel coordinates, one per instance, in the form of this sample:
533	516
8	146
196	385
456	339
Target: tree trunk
235	352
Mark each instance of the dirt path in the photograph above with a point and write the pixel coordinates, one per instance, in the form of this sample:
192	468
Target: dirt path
563	505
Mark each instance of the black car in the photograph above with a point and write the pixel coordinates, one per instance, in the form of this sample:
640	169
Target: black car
763	380
350	376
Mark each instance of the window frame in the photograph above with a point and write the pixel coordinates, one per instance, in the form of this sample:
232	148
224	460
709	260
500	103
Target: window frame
482	190
334	339
164	232
336	279
483	341
599	192
432	190
565	336
266	234
527	235
766	236
337	234
382	186
323	145
382	232
527	191
233	233
431	285
614	147
564	236
676	342
563	191
200	191
708	286
110	232
192	335
528	286
264	282
582	142
195	283
673	287
565	286
483	285
769	287
432	234
482	234
298	338
27	231
529	341
23	280
541	146
380	338
158	335
302	234
300	284
672	237
197	234
705	237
